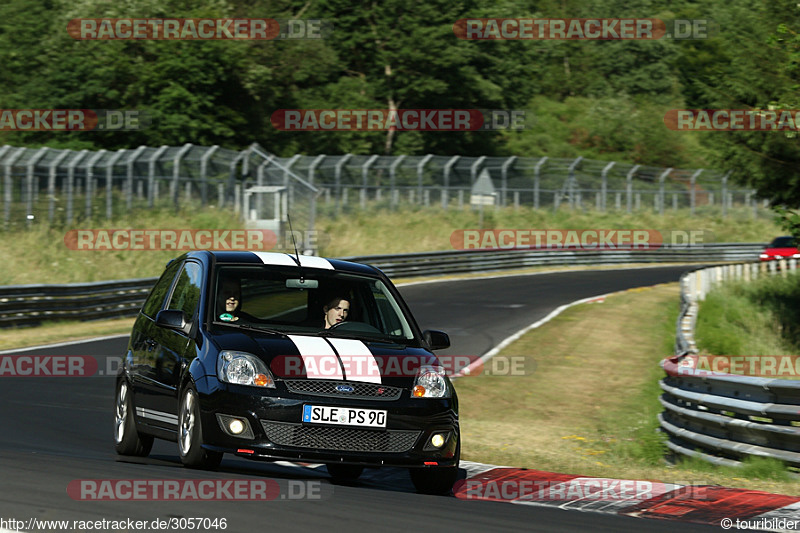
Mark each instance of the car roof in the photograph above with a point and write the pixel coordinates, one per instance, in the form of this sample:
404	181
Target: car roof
284	259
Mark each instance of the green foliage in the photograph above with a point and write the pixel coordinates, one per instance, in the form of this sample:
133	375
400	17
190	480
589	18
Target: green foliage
788	219
598	99
757	318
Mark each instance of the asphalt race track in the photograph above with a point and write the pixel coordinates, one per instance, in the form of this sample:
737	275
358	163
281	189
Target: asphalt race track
58	429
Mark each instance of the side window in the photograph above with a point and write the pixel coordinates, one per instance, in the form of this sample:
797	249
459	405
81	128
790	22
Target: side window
186	295
153	304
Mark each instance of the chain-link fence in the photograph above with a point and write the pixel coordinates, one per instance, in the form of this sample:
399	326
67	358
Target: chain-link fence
66	186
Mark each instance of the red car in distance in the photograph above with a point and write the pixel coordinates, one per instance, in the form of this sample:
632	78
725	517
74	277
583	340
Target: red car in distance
781	248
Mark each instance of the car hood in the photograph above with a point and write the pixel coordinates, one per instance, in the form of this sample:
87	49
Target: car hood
305	356
780	251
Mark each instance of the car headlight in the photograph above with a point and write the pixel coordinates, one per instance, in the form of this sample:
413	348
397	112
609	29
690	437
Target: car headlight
430	383
764	256
243	368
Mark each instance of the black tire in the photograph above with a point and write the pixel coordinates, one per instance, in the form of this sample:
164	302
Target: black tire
127	440
436	479
345	472
190	434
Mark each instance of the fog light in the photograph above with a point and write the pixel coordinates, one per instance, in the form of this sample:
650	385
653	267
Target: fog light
236	426
438	440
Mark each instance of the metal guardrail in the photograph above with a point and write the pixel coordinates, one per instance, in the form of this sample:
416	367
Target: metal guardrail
720	417
27	305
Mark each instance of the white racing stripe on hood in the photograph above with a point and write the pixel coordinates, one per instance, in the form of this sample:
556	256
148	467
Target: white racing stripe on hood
318	357
274	258
358	361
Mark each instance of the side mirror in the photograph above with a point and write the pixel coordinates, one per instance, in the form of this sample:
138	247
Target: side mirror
172	319
437	340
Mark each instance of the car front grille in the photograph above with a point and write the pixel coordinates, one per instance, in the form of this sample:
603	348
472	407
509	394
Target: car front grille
339	438
319	387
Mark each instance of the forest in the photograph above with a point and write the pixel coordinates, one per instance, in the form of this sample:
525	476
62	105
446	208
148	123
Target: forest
601	99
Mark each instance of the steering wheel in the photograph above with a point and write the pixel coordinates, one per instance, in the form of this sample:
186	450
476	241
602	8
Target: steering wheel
353	325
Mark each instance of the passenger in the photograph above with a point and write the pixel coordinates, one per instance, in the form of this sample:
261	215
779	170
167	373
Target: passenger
336	311
230	301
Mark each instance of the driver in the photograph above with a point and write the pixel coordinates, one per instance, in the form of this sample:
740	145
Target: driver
336	311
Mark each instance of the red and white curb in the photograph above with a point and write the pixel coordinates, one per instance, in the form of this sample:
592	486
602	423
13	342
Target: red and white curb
701	504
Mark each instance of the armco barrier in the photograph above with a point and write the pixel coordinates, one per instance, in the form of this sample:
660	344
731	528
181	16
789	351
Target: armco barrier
719	417
24	305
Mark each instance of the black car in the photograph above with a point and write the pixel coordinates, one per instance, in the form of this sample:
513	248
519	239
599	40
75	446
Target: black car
283	357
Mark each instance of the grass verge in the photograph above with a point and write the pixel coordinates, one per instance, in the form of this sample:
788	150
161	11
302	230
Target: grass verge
53	332
39	255
761	317
588	401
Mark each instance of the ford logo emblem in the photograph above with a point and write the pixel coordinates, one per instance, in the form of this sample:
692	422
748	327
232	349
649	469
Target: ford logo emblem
344	388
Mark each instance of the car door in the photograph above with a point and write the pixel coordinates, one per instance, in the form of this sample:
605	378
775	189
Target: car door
170	353
142	343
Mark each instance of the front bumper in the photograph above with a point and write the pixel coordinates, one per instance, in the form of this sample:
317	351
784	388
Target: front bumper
276	431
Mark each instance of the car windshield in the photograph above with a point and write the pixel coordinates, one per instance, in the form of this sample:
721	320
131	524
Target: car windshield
280	299
783	242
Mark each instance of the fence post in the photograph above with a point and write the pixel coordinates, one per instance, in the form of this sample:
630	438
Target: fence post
421	170
131	162
51	183
8	192
473	172
604	185
71	181
570	184
393	180
724	194
90	180
629	185
260	181
176	172
337	176
661	198
151	178
31	164
109	180
447	168
692	192
536	180
204	174
504	177
3	151
364	174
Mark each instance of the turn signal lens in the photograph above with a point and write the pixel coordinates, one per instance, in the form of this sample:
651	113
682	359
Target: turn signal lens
419	391
263	380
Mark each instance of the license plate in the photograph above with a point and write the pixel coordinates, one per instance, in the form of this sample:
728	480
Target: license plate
344	416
